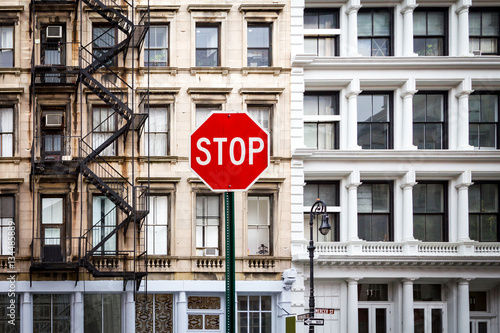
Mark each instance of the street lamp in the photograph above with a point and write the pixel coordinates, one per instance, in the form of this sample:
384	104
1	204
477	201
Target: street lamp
318	208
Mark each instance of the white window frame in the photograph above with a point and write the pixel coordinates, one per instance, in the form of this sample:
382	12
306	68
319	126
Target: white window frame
260	311
330	209
201	248
155	48
6	132
264	227
150	146
318	119
372	307
428	307
158	224
318	33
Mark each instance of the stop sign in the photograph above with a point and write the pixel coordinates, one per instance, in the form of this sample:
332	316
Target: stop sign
229	151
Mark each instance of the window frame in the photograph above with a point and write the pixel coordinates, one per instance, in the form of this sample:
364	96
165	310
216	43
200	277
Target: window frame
52	310
6	249
390	122
114	215
263	327
390	37
269	48
13	44
218	48
269	227
479	123
104	319
212	106
333	210
445	35
444	122
11	133
480	213
270	119
482	10
111	150
319	34
155	225
333	119
201	250
149	142
444	214
390	214
147	47
109	27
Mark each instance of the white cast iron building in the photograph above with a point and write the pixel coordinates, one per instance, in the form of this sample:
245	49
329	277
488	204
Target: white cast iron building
394	112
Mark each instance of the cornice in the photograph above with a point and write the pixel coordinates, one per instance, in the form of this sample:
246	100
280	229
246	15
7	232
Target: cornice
437	262
209	7
275	7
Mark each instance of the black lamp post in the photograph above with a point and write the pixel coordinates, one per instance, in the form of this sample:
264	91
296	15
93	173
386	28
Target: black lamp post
318	208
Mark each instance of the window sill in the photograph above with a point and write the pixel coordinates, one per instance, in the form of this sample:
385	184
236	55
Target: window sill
209	70
159	159
262	70
159	70
10	70
15	160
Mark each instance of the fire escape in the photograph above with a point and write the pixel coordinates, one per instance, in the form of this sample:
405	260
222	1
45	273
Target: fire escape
126	203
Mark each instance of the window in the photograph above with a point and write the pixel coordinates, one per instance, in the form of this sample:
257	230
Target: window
208	221
5	303
375	212
478	301
259	225
374	309
156	140
255	314
104	39
321	120
263	116
259	52
375	120
156	47
104	126
373	292
375	32
103	223
428	309
52	232
52	50
51	313
429	212
484	30
157	225
207	45
483	212
429	32
321	43
429	126
7	225
483	120
154	313
6	132
204	313
328	192
102	313
203	111
6	46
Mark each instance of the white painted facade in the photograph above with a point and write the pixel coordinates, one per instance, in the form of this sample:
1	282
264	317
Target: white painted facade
462	267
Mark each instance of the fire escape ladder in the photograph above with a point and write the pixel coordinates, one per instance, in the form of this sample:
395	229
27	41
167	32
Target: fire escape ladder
97	73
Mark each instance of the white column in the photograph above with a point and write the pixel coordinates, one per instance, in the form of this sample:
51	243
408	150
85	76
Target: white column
352	114
129	312
463	206
352	305
408	306
407	188
407	133
463	115
463	306
26	313
78	313
352	18
352	206
182	312
463	27
407	12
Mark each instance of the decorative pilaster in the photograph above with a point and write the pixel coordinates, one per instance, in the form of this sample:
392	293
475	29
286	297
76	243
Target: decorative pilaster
463	206
79	323
353	7
463	27
464	91
352	305
408	92
129	312
408	317
407	12
407	187
181	312
352	206
26	313
352	114
463	306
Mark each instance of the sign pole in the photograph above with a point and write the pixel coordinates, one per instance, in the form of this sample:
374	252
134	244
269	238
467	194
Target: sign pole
230	261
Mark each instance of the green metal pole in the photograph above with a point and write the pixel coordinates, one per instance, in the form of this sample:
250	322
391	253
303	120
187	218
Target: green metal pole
230	271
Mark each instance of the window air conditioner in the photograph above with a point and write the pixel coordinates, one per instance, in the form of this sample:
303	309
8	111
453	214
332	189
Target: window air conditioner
53	120
476	52
54	32
211	252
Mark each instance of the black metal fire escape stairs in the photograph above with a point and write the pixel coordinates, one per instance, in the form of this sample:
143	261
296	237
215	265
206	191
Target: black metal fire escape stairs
97	75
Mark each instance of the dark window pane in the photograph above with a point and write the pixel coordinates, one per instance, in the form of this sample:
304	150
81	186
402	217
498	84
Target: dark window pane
474	227
478	301
381	108
373	292
380	228
434	229
419	46
327	21
365	108
489	108
379	136
489	24
435	108
258	58
363	324
364	226
427	292
489	231
364	24
487	135
364	136
419	135
435	23
207	57
419	226
380	320
365	198
474	108
489	198
437	321
419	320
433	136
435	198
474	198
419	107
419	23
381	198
474	135
474	23
328	193
380	47
310	20
381	24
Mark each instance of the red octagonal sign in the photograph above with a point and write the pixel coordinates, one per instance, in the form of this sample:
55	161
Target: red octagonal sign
229	151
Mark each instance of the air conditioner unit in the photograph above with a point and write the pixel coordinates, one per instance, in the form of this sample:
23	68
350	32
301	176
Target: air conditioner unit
54	32
53	120
476	52
211	252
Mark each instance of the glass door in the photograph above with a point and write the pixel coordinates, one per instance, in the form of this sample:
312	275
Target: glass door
429	318
374	318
